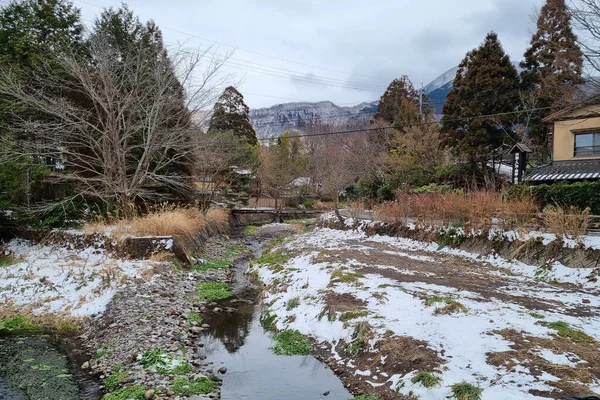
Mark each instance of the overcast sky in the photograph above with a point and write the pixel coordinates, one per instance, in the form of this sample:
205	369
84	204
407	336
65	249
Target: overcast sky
346	51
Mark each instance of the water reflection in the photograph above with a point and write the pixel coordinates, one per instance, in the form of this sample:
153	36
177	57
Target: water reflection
230	330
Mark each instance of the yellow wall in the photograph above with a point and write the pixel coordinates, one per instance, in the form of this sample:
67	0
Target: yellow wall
564	137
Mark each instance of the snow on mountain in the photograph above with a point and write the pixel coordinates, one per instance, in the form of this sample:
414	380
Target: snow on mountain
272	121
441	80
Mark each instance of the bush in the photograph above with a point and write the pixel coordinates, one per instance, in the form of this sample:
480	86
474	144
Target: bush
580	194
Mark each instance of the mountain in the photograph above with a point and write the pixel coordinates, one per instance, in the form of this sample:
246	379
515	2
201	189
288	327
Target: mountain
272	121
438	88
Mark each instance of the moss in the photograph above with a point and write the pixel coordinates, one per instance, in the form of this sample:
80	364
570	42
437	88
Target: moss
183	385
214	264
289	343
211	291
537	315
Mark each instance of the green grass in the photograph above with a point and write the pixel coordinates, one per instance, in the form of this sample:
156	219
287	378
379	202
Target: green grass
426	379
466	391
267	320
274	257
183	385
250	230
536	315
365	397
211	291
431	300
292	303
289	343
564	330
134	392
214	264
235	250
348	315
116	376
17	323
346	277
194	317
357	346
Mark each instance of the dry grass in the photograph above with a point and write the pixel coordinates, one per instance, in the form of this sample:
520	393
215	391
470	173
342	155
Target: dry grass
519	215
474	209
569	222
186	224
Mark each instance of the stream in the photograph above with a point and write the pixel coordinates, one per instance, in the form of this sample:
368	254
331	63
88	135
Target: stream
238	342
43	367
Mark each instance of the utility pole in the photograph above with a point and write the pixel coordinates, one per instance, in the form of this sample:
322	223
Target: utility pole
421	103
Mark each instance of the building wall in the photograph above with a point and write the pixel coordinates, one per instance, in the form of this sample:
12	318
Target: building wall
564	133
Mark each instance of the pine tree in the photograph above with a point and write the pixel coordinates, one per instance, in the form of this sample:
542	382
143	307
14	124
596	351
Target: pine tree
486	83
551	68
230	113
399	105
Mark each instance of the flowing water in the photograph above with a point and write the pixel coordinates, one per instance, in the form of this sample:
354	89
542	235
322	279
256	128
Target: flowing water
238	342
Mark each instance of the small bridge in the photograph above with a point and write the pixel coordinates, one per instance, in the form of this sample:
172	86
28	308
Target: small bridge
242	216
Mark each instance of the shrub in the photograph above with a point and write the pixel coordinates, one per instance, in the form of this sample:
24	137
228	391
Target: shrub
569	222
579	194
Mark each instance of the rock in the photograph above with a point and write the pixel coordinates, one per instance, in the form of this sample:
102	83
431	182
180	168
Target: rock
223	370
586	301
149	394
85	365
170	392
326	393
217	309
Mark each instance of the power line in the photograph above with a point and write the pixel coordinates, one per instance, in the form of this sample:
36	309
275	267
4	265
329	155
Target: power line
417	124
250	51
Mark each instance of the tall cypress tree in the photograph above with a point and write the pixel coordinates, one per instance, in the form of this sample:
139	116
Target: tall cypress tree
551	68
399	105
230	113
486	83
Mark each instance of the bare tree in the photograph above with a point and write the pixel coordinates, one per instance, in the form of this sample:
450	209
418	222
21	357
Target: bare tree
338	160
586	14
118	127
221	158
281	163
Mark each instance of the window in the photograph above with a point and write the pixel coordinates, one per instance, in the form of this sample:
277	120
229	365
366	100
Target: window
587	144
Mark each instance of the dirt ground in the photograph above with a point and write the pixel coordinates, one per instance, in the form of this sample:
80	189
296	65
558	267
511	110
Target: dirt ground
393	354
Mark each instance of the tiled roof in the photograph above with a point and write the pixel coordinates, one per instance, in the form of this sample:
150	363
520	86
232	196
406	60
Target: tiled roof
566	170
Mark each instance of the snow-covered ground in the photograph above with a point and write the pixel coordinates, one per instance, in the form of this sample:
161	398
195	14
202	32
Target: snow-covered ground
392	281
56	279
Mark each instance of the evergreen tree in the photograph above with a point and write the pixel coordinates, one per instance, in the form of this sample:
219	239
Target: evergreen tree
486	83
33	35
32	32
399	105
551	68
230	113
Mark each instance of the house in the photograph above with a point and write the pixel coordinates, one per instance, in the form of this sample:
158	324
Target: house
575	144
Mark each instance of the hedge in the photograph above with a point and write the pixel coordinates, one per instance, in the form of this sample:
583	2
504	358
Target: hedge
580	194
